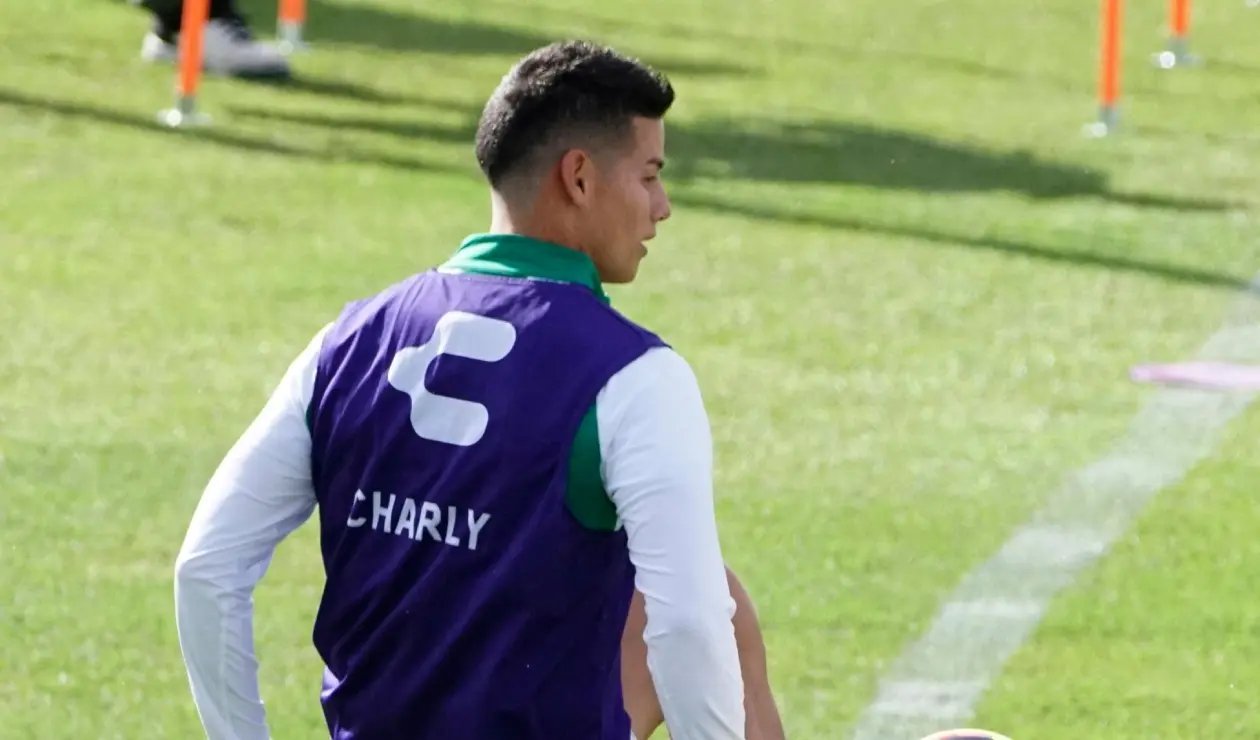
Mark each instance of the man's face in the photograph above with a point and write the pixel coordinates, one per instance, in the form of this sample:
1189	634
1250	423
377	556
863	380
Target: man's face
627	202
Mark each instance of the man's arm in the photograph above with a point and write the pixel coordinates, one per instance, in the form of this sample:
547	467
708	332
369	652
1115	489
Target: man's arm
764	722
762	714
658	470
260	493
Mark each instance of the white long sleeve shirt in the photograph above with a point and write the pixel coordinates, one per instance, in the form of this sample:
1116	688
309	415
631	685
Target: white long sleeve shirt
657	467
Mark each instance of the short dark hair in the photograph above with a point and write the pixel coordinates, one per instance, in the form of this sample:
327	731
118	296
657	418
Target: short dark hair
560	93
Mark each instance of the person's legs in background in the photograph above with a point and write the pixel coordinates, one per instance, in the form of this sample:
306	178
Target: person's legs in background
230	47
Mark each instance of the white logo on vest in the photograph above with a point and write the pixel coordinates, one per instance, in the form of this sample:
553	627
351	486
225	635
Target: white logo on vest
440	418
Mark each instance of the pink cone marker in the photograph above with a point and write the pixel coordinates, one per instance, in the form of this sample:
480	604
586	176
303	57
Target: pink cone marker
1207	375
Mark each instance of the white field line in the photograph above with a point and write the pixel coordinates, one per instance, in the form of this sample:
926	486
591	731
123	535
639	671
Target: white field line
937	680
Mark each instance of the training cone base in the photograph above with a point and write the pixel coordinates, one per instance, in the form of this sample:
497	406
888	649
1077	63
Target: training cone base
289	38
176	118
293	47
1174	60
1096	130
1107	122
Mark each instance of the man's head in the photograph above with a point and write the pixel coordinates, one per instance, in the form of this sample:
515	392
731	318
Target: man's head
573	141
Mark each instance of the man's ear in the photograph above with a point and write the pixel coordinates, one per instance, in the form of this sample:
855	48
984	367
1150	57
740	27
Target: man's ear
576	172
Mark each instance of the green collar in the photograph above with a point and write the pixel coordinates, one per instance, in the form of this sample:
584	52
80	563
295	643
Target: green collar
510	255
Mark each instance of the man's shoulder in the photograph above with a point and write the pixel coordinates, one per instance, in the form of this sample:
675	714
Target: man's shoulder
660	380
581	314
357	312
650	337
386	295
658	365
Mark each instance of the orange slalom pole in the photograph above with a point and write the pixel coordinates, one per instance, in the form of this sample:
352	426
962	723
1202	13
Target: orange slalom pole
1177	52
290	23
191	54
1109	63
1179	18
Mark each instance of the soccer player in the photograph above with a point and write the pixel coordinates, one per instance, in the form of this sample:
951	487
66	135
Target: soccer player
229	47
499	461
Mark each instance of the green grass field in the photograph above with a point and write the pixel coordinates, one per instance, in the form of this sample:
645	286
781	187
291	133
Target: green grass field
911	289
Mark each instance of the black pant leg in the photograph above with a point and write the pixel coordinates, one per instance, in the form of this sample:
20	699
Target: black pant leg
168	14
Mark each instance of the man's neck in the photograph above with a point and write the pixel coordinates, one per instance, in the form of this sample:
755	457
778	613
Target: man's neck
532	226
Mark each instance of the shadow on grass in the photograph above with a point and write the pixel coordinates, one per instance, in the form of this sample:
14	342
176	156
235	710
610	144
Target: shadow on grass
352	91
661	26
212	134
356	23
819	153
302	83
411	129
854	154
1172	273
882	159
830	152
361	23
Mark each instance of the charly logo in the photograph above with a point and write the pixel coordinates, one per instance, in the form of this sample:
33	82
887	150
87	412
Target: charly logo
439	418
